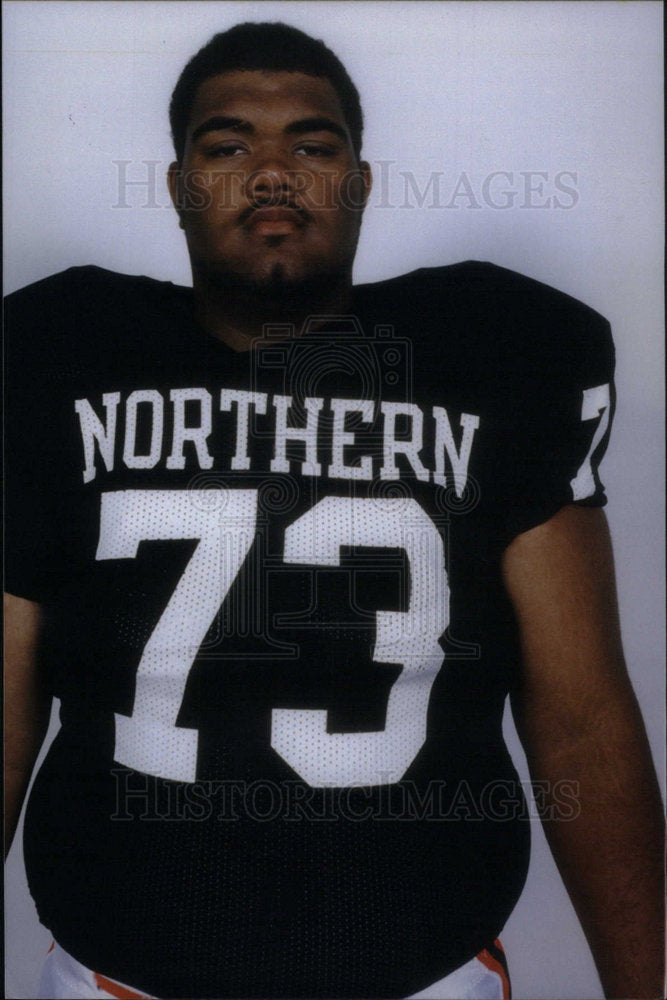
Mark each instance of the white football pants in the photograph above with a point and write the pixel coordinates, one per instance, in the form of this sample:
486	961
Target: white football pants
63	978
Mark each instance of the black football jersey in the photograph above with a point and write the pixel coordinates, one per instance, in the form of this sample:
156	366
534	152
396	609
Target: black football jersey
275	619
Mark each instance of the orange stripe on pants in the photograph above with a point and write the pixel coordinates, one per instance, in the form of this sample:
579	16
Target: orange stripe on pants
115	989
494	965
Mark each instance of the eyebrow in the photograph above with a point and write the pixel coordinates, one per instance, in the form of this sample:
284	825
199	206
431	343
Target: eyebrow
222	123
317	124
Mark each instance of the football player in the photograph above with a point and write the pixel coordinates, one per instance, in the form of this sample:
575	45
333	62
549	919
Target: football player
283	547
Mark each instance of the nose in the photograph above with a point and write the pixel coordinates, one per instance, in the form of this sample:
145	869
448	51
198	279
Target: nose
271	181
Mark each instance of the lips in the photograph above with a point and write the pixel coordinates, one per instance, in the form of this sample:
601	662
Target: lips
275	220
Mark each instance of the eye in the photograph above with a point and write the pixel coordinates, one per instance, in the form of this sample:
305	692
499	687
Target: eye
315	149
227	150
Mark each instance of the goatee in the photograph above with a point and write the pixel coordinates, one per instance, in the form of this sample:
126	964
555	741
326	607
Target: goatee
275	290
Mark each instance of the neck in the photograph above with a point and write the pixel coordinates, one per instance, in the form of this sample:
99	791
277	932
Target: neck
237	311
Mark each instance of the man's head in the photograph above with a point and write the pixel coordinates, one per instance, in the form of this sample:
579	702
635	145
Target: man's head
266	47
268	183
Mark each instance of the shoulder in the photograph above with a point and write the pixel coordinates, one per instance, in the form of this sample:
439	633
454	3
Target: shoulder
84	310
84	285
502	316
486	286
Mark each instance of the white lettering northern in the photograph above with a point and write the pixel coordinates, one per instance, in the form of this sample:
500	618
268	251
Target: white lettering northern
189	424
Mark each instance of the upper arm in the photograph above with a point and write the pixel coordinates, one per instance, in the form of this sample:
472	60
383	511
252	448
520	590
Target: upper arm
22	628
26	704
560	579
25	694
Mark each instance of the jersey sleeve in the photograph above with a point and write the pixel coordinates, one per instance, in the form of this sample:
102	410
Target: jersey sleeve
31	465
561	426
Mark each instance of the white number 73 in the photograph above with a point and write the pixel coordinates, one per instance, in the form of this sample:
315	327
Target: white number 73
150	741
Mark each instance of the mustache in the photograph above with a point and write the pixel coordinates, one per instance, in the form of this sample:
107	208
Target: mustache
277	201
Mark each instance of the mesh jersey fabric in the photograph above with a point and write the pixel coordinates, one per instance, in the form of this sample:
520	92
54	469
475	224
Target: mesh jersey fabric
275	619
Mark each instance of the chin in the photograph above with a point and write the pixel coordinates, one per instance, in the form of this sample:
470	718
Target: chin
284	281
296	286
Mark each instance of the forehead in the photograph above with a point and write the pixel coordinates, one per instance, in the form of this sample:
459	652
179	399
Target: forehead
262	95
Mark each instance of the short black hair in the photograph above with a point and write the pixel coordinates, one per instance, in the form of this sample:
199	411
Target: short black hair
271	46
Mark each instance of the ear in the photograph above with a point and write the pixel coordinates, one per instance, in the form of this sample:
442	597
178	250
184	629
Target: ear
366	175
175	185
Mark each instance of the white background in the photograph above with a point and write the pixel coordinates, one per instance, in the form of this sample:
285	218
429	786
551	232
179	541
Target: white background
455	88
